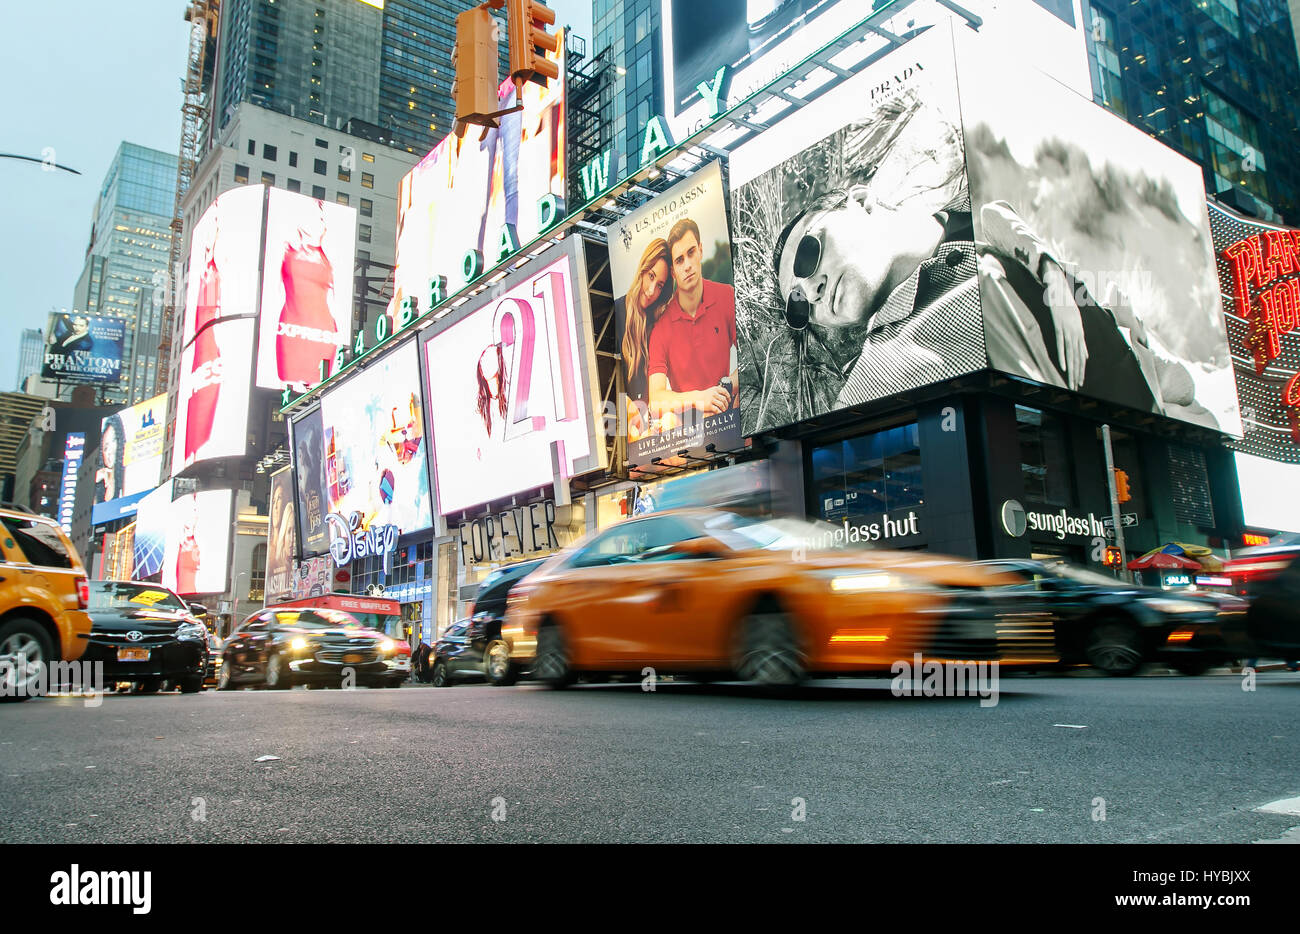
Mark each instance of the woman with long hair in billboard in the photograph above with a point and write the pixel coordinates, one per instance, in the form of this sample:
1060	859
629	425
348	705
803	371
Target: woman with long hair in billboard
649	293
205	370
307	333
490	373
110	477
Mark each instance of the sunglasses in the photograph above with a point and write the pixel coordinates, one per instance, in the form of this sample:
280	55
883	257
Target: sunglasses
808	255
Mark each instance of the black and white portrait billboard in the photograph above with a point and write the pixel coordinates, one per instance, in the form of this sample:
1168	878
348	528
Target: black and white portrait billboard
1097	270
855	254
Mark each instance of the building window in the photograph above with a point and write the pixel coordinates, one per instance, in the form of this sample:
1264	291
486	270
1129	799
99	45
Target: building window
295	185
367	207
345	175
367	180
320	168
367	157
1044	456
363	233
869	474
241	173
268	178
342	197
252	147
320	143
318	192
293	159
269	152
363	255
256	576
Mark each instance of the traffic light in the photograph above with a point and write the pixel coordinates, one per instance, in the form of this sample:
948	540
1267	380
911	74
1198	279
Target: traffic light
1122	492
1113	556
474	89
529	42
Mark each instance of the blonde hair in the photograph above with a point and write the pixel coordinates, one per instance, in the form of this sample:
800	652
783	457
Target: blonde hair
638	321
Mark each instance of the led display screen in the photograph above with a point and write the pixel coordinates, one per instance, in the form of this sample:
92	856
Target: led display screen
509	378
150	542
197	551
311	496
83	348
280	535
131	450
213	394
306	312
225	247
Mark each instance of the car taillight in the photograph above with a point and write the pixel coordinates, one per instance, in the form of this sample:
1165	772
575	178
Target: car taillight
83	593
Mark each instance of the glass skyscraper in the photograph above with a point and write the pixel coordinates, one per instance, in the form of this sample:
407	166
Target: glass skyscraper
1217	80
31	354
630	29
126	259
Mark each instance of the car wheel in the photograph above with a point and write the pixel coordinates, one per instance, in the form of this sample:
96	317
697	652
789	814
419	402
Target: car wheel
551	666
497	665
768	651
277	679
225	678
25	648
1114	648
441	677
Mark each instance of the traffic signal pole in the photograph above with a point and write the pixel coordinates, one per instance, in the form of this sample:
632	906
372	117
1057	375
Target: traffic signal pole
1114	502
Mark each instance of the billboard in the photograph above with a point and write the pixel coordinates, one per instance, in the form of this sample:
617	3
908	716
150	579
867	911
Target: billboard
197	550
130	452
280	534
311	497
150	541
855	266
82	348
74	449
1259	284
675	312
225	249
1097	270
312	577
482	194
512	379
212	395
306	304
375	458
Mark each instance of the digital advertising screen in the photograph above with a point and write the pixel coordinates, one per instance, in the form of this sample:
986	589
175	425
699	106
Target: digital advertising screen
465	192
312	498
197	551
225	250
130	451
280	538
74	449
82	348
150	543
675	311
213	393
375	453
1259	284
510	377
306	312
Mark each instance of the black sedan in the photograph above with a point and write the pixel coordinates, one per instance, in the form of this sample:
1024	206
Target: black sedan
145	634
277	649
1117	627
454	656
484	632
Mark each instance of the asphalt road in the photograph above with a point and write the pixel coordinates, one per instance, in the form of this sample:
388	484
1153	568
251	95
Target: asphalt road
1175	759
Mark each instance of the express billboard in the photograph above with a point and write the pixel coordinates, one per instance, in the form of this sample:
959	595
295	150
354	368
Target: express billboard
487	195
225	249
212	396
374	454
306	301
82	348
512	380
130	458
675	313
197	552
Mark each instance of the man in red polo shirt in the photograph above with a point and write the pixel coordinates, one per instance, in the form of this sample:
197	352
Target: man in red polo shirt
692	360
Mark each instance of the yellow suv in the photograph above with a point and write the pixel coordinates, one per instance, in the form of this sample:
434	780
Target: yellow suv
44	592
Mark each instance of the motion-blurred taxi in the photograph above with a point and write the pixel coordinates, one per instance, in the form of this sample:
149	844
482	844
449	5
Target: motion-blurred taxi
766	600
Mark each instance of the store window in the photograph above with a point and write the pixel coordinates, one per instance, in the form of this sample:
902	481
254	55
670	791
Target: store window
869	474
1044	456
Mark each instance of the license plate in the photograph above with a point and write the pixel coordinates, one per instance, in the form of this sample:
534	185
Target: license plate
351	658
133	655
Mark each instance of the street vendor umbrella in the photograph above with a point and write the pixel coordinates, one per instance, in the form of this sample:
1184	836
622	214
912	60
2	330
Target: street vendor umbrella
1178	556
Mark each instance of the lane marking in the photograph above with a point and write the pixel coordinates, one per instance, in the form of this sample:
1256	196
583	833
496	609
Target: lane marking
1071	726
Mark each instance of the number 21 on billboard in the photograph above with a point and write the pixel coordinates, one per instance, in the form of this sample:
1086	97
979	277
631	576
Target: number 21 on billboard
551	367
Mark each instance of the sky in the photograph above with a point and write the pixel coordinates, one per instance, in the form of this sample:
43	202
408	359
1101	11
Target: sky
79	78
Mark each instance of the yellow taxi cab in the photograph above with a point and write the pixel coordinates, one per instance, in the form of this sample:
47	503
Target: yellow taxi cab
44	592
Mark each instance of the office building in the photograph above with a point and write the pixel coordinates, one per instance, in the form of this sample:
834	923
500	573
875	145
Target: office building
1217	80
126	258
629	33
31	352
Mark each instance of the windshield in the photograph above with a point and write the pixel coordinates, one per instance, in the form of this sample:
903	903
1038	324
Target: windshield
115	595
313	619
781	534
1084	576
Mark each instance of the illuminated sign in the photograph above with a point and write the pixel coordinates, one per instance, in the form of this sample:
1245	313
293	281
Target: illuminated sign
130	458
83	348
512	533
1206	580
1177	580
74	448
1254	538
196	556
150	542
512	386
351	541
212	399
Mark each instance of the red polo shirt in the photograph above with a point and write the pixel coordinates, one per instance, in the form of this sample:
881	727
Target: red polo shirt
695	353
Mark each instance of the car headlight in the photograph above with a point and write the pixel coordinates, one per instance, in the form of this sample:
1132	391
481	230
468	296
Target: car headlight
298	644
1167	605
191	632
869	581
387	645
